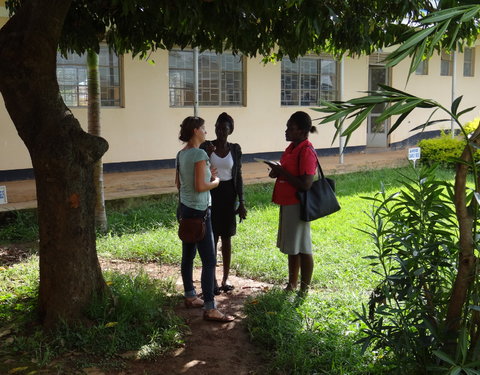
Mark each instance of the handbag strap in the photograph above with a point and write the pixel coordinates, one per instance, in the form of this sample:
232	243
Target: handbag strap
319	169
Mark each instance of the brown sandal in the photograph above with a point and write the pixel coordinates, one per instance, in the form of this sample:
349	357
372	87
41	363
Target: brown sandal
193	302
222	318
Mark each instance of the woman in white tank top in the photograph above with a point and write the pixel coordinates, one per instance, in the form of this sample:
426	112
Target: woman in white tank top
227	198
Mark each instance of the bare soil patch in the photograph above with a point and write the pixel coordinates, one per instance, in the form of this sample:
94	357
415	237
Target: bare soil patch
211	347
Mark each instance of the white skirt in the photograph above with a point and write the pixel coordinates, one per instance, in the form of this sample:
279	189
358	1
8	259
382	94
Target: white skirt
293	234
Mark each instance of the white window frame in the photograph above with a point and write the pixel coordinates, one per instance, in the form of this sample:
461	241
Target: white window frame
469	62
446	64
308	80
73	82
422	68
220	79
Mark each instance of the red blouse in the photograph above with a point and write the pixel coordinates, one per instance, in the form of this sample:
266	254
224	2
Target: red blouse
298	161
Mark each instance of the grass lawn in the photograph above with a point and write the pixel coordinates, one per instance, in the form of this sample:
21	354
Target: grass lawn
312	335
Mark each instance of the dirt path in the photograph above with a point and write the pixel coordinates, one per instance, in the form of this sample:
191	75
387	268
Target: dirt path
211	348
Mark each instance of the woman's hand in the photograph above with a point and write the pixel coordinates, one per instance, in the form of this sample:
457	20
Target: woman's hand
241	211
214	173
210	148
276	169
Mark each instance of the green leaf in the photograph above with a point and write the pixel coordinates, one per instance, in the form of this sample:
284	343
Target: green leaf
337	116
465	111
416	38
470	14
395	57
454	36
397	91
455	104
358	120
418	56
370	99
429	123
455	371
444	357
399	121
438	35
443	15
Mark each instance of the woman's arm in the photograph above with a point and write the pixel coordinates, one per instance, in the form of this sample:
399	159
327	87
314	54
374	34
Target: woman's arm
242	211
200	184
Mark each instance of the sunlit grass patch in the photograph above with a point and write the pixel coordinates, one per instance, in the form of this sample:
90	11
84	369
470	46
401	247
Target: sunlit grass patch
312	335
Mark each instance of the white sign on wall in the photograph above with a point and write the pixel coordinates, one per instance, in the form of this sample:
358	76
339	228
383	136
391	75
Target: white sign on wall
414	154
3	194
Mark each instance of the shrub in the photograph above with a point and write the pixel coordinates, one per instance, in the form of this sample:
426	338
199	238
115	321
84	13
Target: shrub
445	149
416	240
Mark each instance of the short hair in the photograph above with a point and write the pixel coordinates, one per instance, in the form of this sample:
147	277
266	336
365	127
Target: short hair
303	121
188	126
225	117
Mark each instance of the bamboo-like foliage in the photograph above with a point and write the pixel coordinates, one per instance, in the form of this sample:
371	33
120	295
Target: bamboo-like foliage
438	31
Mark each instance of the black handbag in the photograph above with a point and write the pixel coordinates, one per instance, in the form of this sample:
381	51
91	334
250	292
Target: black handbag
320	199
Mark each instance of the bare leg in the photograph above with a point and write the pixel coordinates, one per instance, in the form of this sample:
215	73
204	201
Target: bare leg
227	257
306	265
293	270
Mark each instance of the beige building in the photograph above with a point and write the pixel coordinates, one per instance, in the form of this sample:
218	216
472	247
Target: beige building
143	102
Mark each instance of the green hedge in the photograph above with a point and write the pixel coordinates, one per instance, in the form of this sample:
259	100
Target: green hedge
442	149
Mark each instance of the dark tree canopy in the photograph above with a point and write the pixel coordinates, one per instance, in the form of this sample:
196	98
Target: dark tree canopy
251	27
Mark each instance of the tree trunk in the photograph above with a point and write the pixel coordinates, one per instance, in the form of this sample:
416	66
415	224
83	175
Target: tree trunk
63	158
467	259
94	128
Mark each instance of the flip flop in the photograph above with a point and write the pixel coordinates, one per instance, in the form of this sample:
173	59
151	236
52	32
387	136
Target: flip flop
223	318
227	287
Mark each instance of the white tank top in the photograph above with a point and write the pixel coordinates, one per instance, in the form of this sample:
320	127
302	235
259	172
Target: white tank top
224	165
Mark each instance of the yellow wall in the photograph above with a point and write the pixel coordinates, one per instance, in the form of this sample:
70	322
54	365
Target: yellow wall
147	128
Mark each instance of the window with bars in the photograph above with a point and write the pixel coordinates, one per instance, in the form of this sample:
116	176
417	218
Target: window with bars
446	64
220	79
308	80
469	62
422	68
73	83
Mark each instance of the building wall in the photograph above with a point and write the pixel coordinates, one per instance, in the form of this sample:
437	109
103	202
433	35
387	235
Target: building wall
146	128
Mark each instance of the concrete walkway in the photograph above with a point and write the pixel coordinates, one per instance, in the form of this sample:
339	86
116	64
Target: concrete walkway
22	195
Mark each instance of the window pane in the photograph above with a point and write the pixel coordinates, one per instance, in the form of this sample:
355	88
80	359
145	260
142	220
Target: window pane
422	68
308	80
469	62
446	64
220	78
72	78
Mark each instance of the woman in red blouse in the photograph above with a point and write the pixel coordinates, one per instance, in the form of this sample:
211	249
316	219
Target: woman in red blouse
295	172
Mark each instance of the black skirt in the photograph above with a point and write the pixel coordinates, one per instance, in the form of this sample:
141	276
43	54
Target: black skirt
223	209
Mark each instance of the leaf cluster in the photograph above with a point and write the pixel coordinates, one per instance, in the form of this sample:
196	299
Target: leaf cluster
415	237
268	28
448	29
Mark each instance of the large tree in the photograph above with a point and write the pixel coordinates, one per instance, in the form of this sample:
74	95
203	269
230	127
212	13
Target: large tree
63	155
